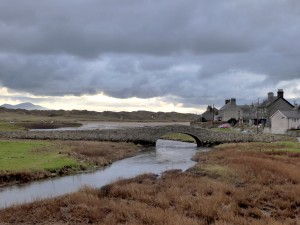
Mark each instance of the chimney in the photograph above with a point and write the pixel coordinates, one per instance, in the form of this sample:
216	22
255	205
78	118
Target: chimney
227	101
280	93
270	96
209	108
233	101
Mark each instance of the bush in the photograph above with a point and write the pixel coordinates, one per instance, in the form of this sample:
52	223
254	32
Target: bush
232	121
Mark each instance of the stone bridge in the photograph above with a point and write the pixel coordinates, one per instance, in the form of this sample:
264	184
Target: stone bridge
143	135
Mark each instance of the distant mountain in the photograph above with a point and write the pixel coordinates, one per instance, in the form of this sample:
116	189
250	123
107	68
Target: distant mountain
26	105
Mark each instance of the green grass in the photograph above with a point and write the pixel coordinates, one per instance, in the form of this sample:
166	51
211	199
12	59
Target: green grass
6	126
16	156
285	146
179	137
224	129
214	169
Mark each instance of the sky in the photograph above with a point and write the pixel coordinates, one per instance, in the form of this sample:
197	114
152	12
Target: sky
155	55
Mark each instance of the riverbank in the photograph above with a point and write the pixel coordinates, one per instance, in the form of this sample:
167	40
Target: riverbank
247	183
24	161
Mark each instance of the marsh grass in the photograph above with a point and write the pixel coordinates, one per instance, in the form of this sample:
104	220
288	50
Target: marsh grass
31	155
286	146
7	126
23	161
101	153
236	184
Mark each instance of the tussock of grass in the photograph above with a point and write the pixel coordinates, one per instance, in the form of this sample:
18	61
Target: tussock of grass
101	153
219	171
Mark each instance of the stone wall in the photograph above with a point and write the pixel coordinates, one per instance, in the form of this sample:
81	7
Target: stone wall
145	135
293	133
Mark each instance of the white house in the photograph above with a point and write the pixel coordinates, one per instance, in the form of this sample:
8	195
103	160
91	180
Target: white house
281	121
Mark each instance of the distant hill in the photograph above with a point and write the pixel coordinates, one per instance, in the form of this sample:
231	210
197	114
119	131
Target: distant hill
26	105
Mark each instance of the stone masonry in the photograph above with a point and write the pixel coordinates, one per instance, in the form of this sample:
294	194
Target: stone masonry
145	135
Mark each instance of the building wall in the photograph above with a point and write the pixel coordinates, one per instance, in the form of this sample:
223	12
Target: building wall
230	110
279	123
228	114
294	123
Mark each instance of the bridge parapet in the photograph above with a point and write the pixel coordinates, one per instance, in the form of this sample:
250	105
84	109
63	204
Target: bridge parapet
144	135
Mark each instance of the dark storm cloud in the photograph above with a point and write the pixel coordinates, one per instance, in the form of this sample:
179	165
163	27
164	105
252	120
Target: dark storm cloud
191	51
88	28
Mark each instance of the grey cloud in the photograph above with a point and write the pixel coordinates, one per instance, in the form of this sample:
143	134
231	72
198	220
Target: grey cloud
89	28
39	74
189	52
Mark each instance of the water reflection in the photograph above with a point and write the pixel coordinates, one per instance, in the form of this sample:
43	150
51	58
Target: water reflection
113	125
165	156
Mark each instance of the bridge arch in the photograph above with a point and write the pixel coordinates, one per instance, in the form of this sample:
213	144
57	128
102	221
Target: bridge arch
198	141
195	137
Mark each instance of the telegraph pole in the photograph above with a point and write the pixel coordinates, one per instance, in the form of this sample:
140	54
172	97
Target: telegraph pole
213	111
257	115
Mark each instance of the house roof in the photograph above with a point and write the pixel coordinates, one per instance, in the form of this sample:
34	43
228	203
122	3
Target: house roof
229	106
246	108
208	114
268	102
295	114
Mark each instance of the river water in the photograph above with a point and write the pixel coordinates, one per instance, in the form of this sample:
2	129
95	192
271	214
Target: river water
166	155
87	125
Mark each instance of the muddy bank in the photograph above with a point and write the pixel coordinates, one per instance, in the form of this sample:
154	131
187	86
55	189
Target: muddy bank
13	178
46	125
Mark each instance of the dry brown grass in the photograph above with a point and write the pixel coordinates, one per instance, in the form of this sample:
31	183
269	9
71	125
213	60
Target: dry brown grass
231	185
101	153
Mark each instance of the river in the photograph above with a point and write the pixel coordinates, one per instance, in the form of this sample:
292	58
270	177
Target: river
88	125
166	155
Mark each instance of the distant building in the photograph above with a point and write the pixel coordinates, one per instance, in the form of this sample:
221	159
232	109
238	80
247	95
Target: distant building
247	112
270	105
231	110
254	114
210	114
281	121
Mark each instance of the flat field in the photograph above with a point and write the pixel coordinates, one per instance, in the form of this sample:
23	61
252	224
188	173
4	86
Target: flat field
12	119
23	161
236	184
32	155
